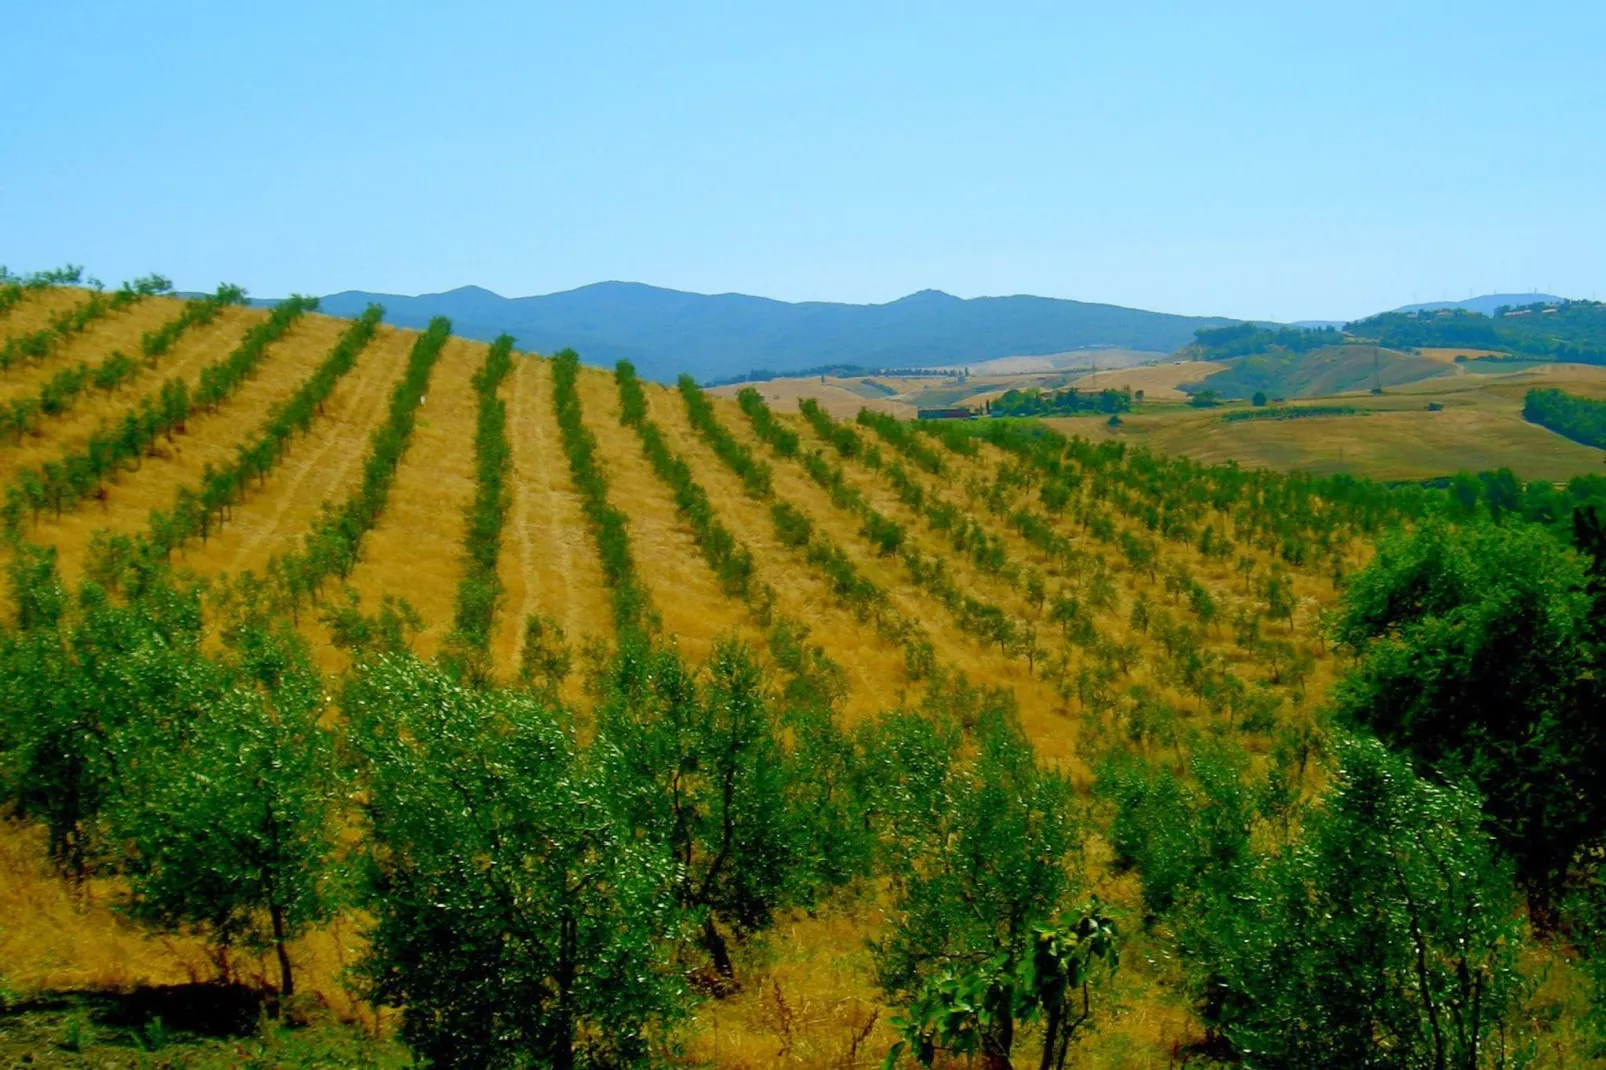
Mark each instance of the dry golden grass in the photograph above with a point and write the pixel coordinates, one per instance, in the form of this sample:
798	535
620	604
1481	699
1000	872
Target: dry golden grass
874	668
210	438
835	398
324	466
57	937
810	999
118	331
1159	382
807	997
415	551
1480	427
982	663
548	566
1448	354
68	432
37	306
685	595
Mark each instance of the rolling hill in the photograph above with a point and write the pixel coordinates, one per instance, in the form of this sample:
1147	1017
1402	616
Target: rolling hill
335	649
666	332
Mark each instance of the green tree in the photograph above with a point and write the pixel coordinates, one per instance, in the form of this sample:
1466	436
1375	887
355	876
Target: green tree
516	922
983	854
699	766
1388	935
1474	657
76	674
227	817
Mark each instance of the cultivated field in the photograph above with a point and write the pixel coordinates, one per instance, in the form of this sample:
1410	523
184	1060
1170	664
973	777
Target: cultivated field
1132	590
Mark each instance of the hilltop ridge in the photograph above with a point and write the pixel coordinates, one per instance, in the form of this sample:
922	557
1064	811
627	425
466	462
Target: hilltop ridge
665	332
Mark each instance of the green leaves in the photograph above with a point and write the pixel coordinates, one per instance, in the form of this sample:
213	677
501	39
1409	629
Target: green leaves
730	560
1389	917
63	484
1474	657
228	816
516	919
981	852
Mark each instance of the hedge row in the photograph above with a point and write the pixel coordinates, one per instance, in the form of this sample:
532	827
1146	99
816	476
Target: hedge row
1581	419
895	433
754	473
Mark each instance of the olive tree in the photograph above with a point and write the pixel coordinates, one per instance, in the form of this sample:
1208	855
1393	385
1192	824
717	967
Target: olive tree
517	922
984	937
227	817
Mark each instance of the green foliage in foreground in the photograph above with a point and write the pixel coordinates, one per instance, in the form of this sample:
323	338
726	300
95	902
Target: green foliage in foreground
1386	934
517	920
1480	655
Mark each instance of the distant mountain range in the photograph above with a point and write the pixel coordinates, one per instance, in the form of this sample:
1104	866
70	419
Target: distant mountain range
665	332
721	336
1485	305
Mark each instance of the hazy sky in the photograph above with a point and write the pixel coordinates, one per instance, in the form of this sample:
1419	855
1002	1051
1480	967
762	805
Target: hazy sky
1281	160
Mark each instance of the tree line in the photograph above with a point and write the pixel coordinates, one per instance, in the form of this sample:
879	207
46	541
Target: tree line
1579	418
480	588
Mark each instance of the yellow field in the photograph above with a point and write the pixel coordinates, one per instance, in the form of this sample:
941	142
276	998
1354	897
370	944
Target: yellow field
810	1000
1159	382
830	392
1480	428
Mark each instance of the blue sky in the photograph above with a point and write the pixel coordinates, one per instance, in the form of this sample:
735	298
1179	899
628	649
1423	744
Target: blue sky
1288	160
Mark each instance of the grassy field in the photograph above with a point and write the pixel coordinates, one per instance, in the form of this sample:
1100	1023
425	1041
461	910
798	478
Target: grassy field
902	395
1480	427
68	957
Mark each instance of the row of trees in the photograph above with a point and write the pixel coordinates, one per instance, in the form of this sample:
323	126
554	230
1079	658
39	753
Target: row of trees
632	608
59	485
480	588
1035	402
534	897
729	559
13	288
334	545
37	345
848	585
196	511
62	390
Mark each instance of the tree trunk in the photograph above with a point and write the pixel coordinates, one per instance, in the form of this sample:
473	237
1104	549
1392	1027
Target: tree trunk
287	984
718	949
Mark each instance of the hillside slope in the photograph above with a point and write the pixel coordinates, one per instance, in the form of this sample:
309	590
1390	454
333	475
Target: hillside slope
382	522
